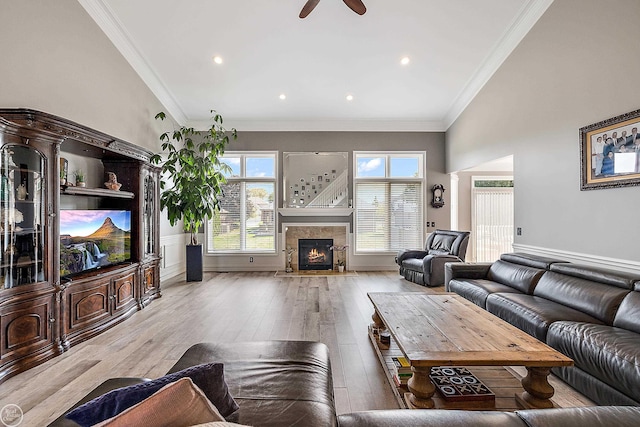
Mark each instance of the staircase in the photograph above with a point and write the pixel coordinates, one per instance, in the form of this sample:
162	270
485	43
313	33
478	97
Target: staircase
333	195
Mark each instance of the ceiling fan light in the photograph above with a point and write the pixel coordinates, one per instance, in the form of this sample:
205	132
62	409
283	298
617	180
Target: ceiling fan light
349	97
217	59
405	60
282	96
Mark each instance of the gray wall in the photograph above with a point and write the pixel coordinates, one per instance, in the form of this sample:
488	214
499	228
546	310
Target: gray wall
431	142
578	65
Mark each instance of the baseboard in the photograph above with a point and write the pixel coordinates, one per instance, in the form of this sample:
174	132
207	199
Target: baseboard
580	258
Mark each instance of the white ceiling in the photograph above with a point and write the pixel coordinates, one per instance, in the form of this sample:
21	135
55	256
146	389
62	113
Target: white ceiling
454	47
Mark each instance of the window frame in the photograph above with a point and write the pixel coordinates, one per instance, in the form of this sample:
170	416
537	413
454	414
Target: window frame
243	180
387	179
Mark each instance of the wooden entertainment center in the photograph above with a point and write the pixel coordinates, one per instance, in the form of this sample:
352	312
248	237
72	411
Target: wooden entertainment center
42	311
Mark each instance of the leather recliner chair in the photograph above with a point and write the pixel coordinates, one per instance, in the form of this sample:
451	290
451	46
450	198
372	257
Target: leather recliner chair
426	267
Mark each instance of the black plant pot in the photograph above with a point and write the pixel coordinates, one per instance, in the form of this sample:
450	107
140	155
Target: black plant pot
194	263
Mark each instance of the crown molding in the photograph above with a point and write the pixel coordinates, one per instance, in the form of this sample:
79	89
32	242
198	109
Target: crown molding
522	24
102	14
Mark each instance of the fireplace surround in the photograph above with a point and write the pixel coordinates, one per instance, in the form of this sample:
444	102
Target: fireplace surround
293	232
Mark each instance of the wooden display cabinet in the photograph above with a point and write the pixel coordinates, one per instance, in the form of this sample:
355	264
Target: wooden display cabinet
44	311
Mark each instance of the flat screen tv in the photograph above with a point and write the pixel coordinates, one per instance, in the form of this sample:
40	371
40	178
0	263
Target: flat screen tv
91	239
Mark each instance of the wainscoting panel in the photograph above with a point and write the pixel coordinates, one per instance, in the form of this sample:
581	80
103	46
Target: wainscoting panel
579	258
172	250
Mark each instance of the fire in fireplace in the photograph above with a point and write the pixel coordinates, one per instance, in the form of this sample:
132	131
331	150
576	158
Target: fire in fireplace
314	254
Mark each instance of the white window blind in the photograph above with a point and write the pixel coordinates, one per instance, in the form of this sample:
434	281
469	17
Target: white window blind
389	205
492	218
388	216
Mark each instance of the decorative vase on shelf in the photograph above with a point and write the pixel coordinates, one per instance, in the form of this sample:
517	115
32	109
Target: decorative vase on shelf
341	268
22	192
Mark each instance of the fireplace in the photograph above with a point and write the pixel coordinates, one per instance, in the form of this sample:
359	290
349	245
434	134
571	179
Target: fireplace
315	254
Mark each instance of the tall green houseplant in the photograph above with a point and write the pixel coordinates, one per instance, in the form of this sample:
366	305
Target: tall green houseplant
195	172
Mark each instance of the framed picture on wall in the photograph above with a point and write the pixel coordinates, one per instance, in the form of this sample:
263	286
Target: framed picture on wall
610	153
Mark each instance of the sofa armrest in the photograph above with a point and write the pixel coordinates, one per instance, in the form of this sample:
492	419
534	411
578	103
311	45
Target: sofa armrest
410	253
433	267
463	270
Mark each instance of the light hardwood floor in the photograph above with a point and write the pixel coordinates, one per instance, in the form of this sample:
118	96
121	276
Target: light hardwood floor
230	307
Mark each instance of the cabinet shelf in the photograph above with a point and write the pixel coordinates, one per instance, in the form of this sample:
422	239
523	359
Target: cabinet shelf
20	264
96	192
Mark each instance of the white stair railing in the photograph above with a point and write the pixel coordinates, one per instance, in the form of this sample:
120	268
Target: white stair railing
333	194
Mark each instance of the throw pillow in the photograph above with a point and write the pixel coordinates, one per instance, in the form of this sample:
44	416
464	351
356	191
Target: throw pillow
178	404
209	377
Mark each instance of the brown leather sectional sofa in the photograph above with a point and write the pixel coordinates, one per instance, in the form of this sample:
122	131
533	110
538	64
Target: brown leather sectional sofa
289	383
589	314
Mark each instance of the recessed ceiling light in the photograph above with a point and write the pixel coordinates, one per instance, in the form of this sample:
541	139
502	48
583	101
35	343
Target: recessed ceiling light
405	60
217	59
283	96
349	97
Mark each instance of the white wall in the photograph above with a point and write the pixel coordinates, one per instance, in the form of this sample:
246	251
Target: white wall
578	65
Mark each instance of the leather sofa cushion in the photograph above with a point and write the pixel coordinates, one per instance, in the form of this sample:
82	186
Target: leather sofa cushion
628	315
477	290
532	314
619	279
443	243
519	277
596	390
592	416
530	260
430	417
608	353
275	383
413	264
595	299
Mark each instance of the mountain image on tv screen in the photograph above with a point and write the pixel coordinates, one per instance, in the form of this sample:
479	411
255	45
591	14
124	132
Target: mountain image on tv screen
91	239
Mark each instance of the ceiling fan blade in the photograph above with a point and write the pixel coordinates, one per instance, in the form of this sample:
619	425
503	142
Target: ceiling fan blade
356	5
308	7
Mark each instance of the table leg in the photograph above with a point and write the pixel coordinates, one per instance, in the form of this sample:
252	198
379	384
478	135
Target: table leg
378	324
537	390
421	388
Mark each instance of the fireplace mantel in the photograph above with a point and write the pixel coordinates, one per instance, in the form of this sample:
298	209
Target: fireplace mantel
343	212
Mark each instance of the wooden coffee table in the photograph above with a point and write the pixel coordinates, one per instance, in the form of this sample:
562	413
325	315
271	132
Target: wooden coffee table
448	330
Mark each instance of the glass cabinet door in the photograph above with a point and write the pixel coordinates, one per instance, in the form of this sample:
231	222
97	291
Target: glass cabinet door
22	204
149	215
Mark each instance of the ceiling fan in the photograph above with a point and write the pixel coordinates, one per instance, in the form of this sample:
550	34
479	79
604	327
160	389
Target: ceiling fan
356	5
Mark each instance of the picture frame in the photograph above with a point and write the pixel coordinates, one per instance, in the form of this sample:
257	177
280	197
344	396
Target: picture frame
610	153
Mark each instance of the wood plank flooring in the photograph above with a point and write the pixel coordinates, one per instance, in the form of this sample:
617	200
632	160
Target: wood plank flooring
230	307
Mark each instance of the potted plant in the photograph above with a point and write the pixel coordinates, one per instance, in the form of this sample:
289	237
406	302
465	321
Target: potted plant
195	178
340	261
80	182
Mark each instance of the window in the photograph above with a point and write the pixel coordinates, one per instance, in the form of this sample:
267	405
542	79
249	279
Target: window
389	201
246	220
